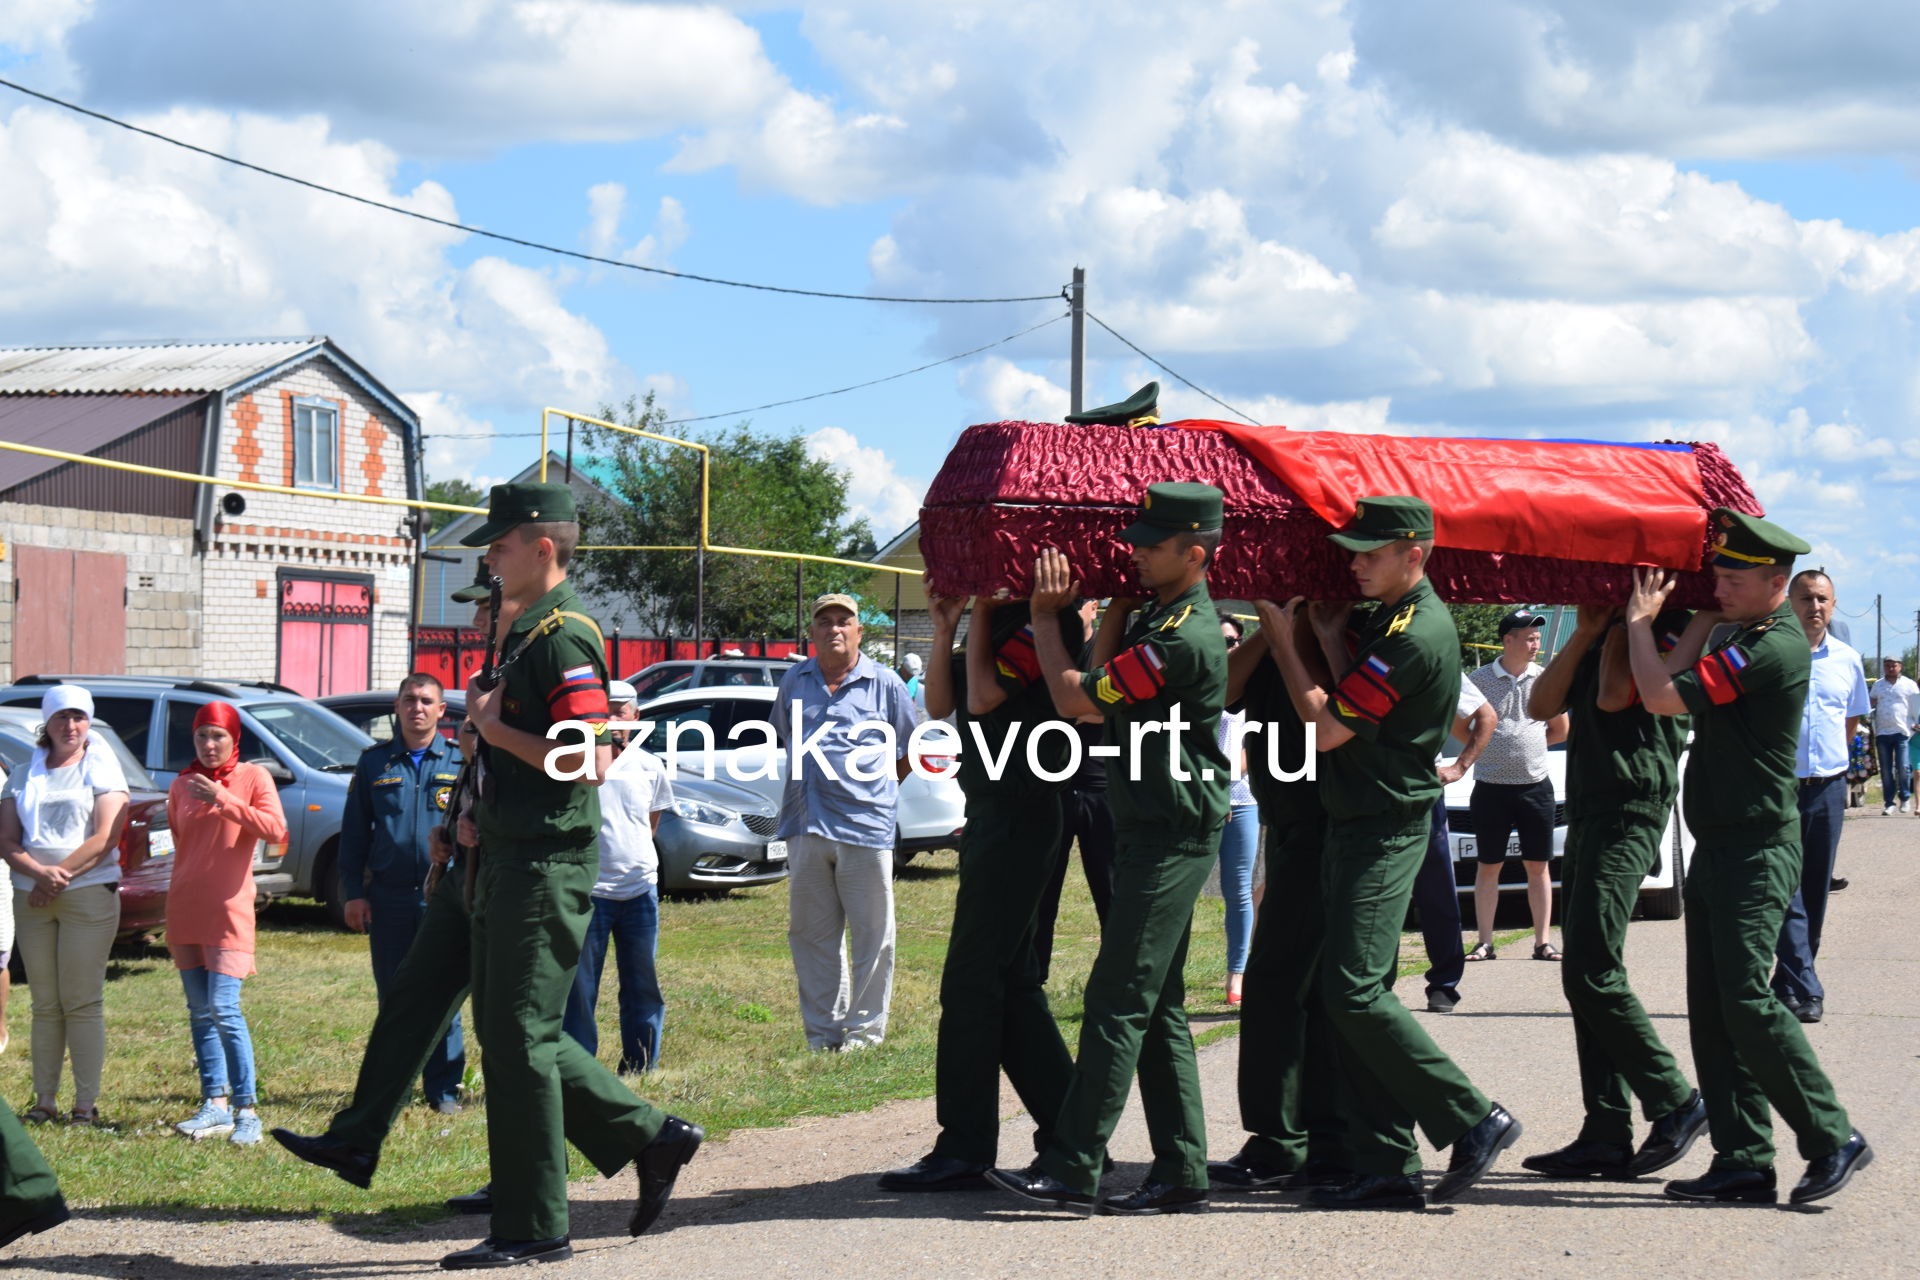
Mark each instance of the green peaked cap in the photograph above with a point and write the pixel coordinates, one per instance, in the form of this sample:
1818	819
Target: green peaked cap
1144	403
1380	520
479	589
1742	541
1173	508
524	503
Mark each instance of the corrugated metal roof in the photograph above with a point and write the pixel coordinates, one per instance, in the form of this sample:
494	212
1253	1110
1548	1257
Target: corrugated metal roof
166	367
72	424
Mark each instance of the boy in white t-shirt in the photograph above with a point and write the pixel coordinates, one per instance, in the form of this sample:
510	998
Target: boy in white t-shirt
626	900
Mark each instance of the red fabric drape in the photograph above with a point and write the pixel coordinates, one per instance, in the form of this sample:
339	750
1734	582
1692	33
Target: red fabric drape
1610	503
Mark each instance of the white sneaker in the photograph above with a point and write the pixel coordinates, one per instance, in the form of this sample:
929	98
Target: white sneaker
1886	809
1906	806
246	1129
208	1122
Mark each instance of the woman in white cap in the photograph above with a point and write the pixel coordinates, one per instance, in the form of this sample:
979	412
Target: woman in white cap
60	823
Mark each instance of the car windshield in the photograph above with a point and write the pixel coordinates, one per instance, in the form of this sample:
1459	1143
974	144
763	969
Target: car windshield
661	678
320	738
137	776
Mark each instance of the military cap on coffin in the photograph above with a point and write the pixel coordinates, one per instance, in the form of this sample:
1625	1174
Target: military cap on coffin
1142	404
525	503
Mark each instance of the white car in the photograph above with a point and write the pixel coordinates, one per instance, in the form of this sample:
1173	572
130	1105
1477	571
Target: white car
932	809
1659	892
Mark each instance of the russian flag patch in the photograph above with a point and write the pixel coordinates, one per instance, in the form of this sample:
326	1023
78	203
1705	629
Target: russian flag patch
579	675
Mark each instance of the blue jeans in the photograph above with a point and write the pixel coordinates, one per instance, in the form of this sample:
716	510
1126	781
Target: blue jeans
397	914
1896	782
632	925
1239	846
221	1043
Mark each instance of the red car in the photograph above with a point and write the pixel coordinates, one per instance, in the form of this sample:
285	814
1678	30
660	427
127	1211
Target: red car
146	842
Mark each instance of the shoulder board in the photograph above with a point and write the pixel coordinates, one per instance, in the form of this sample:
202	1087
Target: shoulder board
1400	620
1173	620
1762	627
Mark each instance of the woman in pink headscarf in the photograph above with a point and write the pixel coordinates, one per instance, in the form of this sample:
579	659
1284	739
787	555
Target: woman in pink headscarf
219	810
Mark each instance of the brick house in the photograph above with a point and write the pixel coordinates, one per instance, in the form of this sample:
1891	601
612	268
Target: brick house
106	571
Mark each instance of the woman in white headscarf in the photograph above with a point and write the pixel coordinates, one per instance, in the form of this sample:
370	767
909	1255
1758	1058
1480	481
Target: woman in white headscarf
60	824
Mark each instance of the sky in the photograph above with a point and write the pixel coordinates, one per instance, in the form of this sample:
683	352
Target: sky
1692	219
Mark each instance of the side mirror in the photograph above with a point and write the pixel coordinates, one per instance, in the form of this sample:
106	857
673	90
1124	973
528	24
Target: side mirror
281	775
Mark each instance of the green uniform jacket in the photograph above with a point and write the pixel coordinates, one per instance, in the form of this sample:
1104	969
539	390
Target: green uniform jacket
1747	697
1624	761
558	674
1009	727
1172	655
1398	696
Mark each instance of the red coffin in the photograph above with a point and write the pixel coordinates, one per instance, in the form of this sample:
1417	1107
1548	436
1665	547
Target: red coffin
1010	489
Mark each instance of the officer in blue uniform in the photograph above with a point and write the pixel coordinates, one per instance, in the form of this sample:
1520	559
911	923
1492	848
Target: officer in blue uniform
398	795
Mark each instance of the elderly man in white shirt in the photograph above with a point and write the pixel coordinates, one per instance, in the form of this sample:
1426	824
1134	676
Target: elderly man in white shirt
1896	709
1836	699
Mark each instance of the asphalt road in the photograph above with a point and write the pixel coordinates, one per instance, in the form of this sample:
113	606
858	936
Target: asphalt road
800	1201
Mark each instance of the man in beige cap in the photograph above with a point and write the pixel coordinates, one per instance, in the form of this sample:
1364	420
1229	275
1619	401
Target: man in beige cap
837	817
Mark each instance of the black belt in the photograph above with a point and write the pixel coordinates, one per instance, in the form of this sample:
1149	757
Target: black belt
1821	782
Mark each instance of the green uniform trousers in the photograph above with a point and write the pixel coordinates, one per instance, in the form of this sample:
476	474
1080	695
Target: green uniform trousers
529	918
1395	1075
27	1185
1136	1019
1287	1072
1748	1048
993	1001
1621	1056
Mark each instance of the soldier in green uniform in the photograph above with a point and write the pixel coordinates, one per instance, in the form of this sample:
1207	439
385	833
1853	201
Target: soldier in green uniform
1622	776
1287	1069
1379	727
1747	698
30	1199
538	831
993	999
1160	680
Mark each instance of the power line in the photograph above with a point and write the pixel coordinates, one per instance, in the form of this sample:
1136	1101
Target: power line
1164	369
818	395
495	235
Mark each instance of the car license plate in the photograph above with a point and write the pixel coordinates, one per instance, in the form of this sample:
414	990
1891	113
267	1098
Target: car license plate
1468	848
776	851
159	843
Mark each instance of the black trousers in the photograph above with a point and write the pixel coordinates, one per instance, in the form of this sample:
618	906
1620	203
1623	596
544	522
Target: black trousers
1437	900
1086	818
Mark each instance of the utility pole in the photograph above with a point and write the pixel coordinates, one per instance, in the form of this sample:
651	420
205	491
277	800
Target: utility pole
1077	308
1879	622
699	562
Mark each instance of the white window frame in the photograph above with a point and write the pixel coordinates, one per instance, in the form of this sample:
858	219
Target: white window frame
311	408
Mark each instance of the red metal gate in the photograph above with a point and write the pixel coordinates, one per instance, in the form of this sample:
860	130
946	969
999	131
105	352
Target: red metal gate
326	632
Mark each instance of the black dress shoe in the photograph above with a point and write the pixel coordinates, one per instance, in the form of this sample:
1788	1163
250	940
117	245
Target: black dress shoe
45	1220
1584	1159
1247	1173
1318	1173
1727	1186
1673	1134
1373	1191
1042	1188
1440	1000
349	1162
1811	1010
1157	1197
508	1253
1836	884
658	1164
474	1202
1476	1151
1830	1173
936	1173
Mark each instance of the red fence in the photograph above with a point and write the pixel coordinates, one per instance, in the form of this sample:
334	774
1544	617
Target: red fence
453	655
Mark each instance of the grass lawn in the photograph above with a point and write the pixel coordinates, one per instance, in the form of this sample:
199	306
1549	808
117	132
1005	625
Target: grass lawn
733	1055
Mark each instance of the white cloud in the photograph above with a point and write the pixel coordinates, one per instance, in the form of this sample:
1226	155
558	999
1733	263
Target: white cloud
606	209
888	500
1011	393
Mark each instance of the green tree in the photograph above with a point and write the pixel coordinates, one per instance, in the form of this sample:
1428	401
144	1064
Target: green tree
767	494
460	493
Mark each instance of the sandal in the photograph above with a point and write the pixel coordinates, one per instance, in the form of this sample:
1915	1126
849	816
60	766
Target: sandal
91	1116
1545	951
1484	951
39	1115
